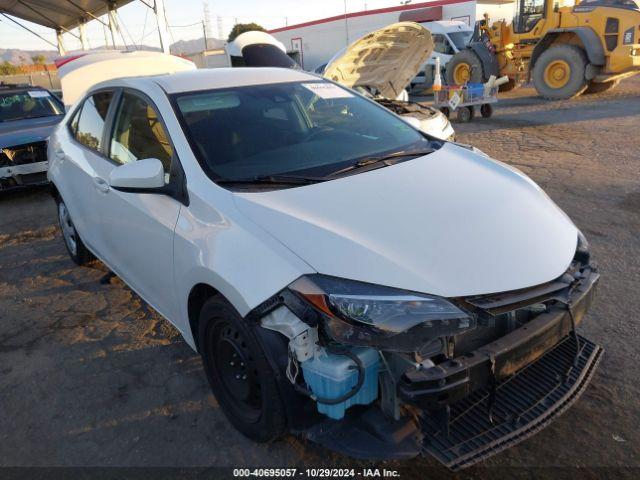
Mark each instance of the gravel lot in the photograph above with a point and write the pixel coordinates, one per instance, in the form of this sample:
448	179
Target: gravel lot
91	376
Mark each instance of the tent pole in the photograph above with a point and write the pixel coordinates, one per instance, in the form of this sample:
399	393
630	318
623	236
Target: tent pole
161	20
61	50
83	34
113	25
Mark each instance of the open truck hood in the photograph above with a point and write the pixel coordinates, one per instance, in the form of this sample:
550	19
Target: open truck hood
451	223
387	59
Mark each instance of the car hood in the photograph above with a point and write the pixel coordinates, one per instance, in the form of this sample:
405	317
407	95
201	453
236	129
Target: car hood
451	223
21	132
387	59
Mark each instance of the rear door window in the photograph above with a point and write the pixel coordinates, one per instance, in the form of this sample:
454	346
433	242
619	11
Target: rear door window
92	119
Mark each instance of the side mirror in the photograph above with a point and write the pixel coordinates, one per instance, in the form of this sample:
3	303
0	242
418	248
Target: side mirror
143	176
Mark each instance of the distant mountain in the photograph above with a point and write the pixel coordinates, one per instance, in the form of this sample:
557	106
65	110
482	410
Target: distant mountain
197	45
17	56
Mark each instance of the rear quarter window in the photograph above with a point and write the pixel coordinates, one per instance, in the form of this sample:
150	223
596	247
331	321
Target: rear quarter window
89	126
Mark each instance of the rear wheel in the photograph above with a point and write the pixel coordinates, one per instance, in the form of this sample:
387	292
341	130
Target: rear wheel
238	372
594	87
77	251
486	110
559	73
464	67
510	85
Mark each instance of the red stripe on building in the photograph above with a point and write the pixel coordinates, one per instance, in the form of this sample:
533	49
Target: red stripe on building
400	8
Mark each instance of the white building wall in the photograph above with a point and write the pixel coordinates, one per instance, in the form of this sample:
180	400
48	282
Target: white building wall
320	41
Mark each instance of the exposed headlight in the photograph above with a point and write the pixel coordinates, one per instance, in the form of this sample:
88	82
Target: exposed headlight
385	309
582	250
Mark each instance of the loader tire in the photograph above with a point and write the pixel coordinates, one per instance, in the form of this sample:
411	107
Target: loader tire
559	73
510	85
464	67
594	87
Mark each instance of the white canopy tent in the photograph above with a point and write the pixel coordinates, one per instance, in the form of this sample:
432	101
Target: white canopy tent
65	15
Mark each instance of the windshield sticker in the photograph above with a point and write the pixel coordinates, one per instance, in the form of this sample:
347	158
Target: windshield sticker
327	90
38	93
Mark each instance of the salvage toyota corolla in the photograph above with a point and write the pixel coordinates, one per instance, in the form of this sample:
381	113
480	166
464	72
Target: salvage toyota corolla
344	276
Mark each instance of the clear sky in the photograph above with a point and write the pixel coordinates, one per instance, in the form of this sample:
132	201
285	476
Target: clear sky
139	23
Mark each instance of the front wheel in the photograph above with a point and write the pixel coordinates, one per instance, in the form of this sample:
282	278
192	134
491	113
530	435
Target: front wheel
465	67
465	114
76	248
238	372
559	73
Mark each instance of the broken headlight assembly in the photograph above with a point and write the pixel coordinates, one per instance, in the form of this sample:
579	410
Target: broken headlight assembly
358	313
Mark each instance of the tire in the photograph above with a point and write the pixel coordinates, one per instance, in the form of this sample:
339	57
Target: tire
510	85
486	110
594	87
454	72
72	241
239	374
465	114
559	73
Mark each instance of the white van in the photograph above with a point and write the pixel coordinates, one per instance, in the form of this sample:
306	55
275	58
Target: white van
449	37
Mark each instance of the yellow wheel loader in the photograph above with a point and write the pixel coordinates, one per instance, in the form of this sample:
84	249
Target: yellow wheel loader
566	49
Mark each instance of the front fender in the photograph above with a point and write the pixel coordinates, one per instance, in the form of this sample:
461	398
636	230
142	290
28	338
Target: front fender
222	248
487	59
590	41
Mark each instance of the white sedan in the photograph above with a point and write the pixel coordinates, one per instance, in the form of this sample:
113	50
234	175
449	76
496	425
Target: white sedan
337	269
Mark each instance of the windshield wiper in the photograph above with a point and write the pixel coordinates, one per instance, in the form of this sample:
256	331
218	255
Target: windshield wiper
382	160
39	116
272	179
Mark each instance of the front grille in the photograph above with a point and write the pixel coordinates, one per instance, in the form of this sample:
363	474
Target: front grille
524	404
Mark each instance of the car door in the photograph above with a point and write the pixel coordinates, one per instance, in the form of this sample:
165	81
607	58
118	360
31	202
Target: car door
83	166
138	228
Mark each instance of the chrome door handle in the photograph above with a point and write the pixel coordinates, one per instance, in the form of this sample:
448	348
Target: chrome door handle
101	184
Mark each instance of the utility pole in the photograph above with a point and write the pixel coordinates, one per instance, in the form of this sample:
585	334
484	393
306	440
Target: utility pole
220	27
206	23
346	22
204	32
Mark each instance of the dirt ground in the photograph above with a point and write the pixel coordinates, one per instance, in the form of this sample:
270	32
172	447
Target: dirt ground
91	376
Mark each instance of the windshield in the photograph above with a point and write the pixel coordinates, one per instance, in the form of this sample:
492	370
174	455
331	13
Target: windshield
28	104
312	129
460	39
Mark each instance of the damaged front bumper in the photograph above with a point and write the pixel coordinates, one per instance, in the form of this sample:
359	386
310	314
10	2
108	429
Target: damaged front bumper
472	398
458	377
23	165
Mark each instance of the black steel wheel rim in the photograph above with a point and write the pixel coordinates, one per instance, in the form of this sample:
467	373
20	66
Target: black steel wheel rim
237	371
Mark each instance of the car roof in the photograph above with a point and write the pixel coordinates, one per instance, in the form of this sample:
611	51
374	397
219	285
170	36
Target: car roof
18	87
212	78
206	79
